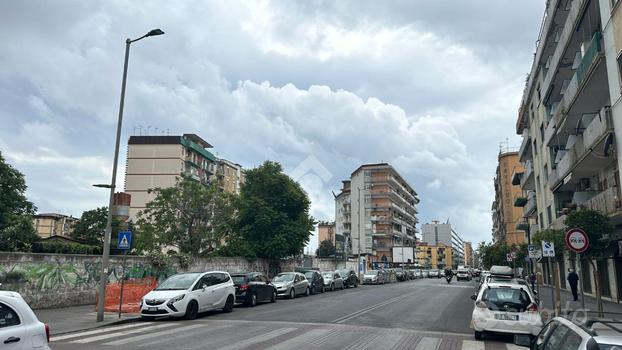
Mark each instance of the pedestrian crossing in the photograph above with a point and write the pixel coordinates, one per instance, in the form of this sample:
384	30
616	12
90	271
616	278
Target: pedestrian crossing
239	335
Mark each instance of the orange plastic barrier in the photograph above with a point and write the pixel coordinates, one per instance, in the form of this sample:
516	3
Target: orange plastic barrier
133	290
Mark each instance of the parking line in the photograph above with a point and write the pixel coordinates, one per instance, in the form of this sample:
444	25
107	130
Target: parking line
150	335
258	339
371	308
97	331
118	334
295	342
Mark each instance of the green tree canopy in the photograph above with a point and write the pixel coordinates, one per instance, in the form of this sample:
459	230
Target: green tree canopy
274	213
551	235
326	249
194	218
16	230
597	227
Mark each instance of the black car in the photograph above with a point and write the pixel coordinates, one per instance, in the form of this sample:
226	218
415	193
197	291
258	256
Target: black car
253	287
400	274
349	278
316	281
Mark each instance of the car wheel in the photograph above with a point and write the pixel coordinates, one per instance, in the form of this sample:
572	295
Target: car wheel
192	309
292	293
273	298
356	284
313	290
323	288
478	335
253	300
342	287
308	292
332	287
228	305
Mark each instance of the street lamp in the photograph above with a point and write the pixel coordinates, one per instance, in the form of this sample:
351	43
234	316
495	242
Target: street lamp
104	270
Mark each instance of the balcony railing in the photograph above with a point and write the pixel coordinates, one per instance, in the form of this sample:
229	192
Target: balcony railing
606	202
600	125
530	207
524	146
566	163
590	56
550	128
520	200
527	173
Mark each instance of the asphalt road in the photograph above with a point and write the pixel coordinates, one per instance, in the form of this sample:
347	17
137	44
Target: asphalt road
421	314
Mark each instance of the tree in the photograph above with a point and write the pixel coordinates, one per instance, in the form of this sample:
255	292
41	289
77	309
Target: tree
190	216
494	254
91	227
326	249
274	213
16	230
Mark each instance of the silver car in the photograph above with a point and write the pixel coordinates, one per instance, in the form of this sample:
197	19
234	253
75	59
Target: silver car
332	280
291	284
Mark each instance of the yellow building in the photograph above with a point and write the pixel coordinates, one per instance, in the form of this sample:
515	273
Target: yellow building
434	256
505	215
51	224
468	254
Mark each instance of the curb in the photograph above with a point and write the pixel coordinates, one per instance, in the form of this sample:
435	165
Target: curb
99	325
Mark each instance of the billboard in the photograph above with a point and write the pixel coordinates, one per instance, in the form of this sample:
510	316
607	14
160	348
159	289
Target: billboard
409	256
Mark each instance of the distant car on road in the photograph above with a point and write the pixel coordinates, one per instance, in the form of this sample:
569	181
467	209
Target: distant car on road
373	277
188	294
349	278
419	273
19	326
434	273
463	274
332	280
400	274
316	281
291	284
426	273
253	287
410	273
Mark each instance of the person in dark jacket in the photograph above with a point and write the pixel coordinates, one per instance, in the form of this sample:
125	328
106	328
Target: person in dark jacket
573	281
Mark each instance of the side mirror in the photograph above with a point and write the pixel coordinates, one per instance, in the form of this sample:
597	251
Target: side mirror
522	340
473	297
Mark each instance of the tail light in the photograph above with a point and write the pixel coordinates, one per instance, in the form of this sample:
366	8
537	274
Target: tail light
47	332
244	286
482	305
533	307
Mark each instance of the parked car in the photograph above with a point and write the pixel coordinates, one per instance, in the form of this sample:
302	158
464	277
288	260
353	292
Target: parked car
463	274
19	326
410	273
505	308
316	281
441	272
332	280
188	294
291	284
373	277
564	333
434	273
425	273
400	274
349	278
419	274
253	287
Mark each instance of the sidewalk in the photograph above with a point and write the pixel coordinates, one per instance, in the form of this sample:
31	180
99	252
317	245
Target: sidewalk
612	310
78	318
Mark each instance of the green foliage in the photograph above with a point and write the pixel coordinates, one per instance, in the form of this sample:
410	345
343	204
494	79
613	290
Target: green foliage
236	246
16	230
551	235
326	249
274	213
158	260
496	254
189	216
65	248
92	227
13	276
597	227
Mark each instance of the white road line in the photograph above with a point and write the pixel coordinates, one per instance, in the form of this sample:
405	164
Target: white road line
258	339
371	308
514	347
151	335
295	342
428	343
119	334
99	330
473	345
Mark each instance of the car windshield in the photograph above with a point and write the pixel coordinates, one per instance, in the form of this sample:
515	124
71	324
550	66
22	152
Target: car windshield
239	279
309	275
506	299
327	275
179	282
372	272
288	277
344	273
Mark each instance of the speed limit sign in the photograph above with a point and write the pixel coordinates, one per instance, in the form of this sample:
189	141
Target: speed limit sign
577	240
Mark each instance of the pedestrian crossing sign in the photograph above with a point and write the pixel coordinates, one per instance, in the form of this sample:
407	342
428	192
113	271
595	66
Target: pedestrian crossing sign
125	240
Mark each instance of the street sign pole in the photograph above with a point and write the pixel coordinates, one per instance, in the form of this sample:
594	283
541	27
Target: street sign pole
552	283
124	243
579	272
122	283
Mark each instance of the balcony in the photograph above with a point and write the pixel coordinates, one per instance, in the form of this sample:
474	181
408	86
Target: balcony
527	181
517	175
566	163
551	127
520	200
598	127
606	202
529	210
381	246
524	152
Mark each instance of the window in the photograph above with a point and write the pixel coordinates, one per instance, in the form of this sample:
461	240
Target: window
546	173
549	215
544	333
535	147
8	316
557	338
541	221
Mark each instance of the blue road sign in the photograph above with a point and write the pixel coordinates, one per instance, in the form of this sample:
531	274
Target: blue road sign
125	240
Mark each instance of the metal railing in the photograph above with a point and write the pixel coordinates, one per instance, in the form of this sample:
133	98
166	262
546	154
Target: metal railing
606	202
598	127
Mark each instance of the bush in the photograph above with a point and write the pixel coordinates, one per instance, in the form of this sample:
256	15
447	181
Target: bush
12	277
65	248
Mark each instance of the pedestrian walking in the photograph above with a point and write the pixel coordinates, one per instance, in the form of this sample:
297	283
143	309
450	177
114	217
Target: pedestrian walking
532	280
573	281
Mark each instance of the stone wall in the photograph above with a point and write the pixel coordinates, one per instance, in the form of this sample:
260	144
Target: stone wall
60	280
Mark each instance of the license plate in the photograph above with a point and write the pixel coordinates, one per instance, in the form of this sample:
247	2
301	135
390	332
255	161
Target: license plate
153	309
506	317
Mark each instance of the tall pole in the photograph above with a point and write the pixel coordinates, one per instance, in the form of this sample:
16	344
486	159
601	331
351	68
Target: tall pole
103	279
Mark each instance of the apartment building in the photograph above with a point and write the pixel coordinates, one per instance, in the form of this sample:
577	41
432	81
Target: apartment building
376	210
570	117
468	254
157	161
432	256
435	232
230	176
52	224
505	215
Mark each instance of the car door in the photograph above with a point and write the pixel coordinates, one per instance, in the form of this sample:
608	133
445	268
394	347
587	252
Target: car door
339	280
221	290
203	292
265	287
301	286
12	330
258	286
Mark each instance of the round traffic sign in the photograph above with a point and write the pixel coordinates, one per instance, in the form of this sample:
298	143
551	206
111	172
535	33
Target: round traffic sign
577	240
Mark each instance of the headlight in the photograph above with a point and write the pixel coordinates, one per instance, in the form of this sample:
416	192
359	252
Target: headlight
140	303
176	299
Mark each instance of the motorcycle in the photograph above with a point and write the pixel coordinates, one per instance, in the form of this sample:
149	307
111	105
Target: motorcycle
448	278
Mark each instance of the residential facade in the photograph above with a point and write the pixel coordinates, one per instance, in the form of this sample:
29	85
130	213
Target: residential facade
379	208
343	217
505	215
157	162
431	256
435	232
468	254
570	118
52	224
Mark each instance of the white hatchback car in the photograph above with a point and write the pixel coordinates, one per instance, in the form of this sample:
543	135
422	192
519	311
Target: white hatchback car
187	294
19	326
566	333
505	308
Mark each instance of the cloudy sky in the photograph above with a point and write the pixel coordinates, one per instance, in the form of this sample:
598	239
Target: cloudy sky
431	87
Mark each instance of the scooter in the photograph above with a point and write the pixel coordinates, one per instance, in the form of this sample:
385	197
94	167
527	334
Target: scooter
448	278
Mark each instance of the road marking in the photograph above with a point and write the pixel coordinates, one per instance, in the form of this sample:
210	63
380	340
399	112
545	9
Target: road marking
96	331
258	339
473	345
302	339
514	347
119	334
371	308
150	335
455	286
427	343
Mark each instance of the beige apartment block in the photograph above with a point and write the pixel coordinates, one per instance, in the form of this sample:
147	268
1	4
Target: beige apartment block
326	231
468	254
52	224
435	256
230	176
343	217
506	216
